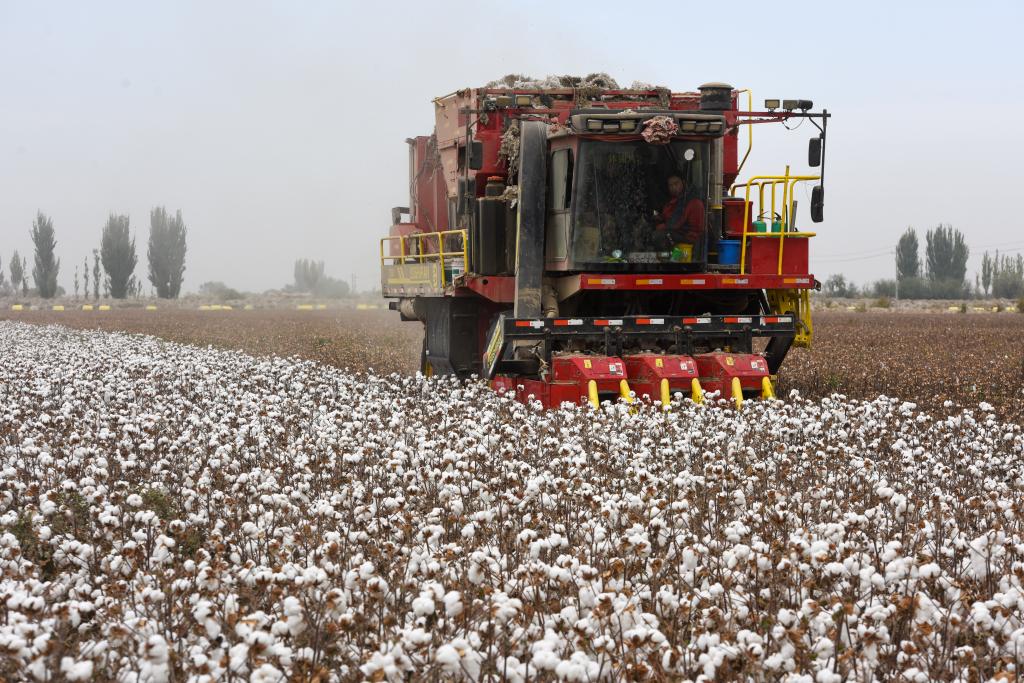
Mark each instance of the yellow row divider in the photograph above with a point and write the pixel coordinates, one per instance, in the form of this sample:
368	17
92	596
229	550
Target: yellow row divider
737	393
625	392
696	391
592	394
767	391
666	395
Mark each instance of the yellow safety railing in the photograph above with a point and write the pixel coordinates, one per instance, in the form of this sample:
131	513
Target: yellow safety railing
788	183
411	250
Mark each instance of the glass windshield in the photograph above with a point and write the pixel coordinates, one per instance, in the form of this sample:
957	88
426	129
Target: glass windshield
640	203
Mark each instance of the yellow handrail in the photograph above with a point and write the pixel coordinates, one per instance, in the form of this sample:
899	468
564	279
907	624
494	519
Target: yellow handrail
420	256
788	182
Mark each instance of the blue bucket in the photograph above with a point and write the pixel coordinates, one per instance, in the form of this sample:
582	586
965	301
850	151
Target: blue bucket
728	251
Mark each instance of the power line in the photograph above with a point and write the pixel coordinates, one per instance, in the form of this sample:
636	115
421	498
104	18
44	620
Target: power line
838	259
862	252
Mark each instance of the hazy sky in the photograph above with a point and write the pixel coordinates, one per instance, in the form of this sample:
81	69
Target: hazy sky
278	128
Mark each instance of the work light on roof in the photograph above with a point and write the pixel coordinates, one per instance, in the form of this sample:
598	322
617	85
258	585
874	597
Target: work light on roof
790	105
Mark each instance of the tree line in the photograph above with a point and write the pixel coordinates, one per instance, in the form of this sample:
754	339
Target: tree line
111	272
941	274
113	264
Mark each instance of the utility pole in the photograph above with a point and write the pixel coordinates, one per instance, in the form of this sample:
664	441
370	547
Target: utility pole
896	262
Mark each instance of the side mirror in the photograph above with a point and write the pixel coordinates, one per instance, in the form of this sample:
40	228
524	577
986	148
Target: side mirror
475	152
818	204
814	152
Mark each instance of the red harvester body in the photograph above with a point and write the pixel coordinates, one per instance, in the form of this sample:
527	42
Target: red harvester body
578	243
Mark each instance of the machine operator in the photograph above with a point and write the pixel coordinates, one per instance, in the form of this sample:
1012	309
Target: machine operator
681	219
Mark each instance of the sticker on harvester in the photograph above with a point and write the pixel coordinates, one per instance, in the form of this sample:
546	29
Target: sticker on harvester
729	360
586	363
659	363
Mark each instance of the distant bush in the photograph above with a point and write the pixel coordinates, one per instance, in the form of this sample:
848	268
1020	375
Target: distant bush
219	291
331	288
914	288
948	289
310	277
883	302
1020	305
884	288
836	285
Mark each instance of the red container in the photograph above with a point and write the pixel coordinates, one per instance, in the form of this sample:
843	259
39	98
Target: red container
763	255
732	217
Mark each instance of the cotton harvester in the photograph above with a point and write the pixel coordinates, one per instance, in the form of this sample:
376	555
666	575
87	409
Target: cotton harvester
581	243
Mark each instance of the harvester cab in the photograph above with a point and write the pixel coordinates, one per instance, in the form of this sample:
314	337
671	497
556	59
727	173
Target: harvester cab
578	243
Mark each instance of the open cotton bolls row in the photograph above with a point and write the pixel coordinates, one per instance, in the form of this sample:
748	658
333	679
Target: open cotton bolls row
170	512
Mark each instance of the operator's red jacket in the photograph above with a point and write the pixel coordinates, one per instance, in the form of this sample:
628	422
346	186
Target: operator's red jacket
689	224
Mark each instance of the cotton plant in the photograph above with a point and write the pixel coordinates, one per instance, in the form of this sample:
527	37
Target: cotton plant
170	512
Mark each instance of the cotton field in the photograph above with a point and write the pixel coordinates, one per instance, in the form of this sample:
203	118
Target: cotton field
174	513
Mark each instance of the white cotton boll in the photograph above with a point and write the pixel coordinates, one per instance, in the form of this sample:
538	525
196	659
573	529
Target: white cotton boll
423	605
293	612
154	667
545	660
825	676
134	500
266	673
835	569
453	606
76	671
448	657
929	571
982	617
238	658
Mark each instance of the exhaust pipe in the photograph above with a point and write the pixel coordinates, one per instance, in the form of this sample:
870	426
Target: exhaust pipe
533	168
